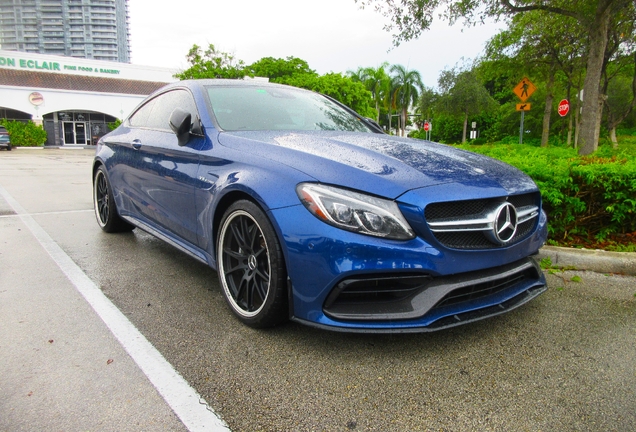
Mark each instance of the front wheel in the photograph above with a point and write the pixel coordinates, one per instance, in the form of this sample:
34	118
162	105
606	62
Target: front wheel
104	203
251	266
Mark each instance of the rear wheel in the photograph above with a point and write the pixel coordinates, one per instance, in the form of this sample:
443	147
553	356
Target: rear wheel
251	266
104	203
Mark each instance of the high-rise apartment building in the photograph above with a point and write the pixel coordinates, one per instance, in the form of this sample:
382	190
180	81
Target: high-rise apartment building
93	29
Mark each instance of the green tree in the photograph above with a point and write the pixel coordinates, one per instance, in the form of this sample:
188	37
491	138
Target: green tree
277	70
621	95
410	17
463	94
407	85
212	63
342	88
545	45
620	57
429	99
293	71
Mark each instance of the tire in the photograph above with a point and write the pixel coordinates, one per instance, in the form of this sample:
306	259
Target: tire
105	210
251	266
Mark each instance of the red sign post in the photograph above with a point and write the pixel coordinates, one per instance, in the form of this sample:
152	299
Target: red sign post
428	126
564	107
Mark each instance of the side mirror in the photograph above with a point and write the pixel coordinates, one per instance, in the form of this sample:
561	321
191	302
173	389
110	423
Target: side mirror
180	123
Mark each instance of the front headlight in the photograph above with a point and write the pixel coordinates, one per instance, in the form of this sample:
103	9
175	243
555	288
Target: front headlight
354	211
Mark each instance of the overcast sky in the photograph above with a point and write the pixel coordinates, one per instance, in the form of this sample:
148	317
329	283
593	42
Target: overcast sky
331	35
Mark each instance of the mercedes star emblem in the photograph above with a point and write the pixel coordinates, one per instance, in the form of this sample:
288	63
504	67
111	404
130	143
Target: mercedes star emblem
505	225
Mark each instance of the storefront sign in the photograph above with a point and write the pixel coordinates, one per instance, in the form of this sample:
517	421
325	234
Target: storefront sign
10	62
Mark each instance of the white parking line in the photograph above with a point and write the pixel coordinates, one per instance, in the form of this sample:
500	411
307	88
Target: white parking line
52	213
187	404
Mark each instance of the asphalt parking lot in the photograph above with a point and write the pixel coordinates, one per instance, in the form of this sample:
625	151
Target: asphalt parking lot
566	361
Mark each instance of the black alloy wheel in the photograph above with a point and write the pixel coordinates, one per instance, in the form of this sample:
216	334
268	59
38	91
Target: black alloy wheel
104	203
251	266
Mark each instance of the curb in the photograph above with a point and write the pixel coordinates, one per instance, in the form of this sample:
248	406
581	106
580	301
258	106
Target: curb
593	260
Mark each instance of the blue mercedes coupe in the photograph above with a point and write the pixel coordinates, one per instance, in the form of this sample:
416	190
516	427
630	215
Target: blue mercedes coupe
310	212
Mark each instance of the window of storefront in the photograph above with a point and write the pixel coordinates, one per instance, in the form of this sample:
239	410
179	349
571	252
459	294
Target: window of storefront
71	128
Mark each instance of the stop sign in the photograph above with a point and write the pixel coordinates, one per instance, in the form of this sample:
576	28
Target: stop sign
427	126
564	107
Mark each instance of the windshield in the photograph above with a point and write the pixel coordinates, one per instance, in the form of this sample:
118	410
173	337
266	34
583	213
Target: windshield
276	108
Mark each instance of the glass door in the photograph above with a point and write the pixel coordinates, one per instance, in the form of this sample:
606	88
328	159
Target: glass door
74	132
69	132
80	133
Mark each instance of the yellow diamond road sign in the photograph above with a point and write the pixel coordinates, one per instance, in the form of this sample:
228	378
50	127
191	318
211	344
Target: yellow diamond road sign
524	89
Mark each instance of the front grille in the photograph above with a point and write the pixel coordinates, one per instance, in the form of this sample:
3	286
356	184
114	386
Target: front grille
455	209
461	224
466	240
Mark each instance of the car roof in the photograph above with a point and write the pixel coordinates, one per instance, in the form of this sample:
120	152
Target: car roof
199	83
234	82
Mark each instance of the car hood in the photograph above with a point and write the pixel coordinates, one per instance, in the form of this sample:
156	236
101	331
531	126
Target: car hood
380	164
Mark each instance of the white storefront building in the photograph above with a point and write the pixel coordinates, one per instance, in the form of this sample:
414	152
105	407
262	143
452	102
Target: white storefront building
73	98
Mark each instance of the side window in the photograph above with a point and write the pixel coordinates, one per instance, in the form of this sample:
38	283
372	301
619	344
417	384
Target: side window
166	103
141	116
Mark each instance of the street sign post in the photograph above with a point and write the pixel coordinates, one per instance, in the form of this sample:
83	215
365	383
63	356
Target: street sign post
564	107
523	90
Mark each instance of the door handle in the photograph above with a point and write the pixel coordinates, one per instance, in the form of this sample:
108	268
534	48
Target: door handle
136	144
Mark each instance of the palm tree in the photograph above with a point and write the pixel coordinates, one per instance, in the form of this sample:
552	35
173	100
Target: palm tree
408	85
376	80
358	75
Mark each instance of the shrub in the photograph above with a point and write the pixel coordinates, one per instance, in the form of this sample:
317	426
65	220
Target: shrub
418	133
114	125
25	134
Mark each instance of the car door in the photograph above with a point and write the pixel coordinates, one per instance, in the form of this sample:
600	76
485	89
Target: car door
124	162
163	178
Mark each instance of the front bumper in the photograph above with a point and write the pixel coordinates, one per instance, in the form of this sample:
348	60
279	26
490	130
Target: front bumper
426	303
350	282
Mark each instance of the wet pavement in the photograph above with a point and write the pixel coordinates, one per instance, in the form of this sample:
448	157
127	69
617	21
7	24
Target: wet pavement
566	361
